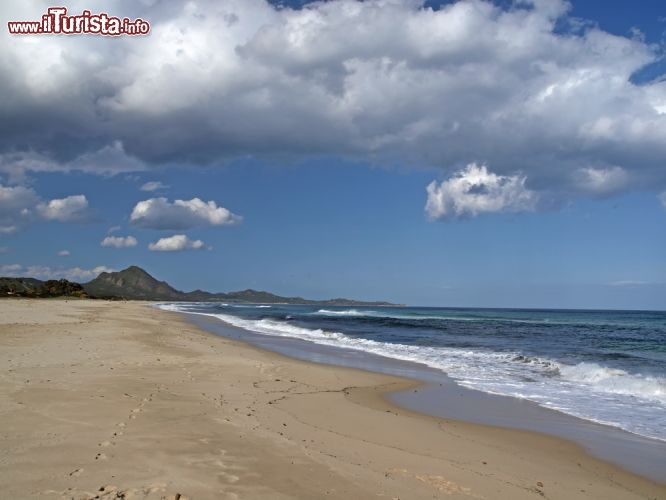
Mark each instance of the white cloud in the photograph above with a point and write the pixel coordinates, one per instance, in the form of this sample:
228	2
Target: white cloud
602	181
49	273
159	213
76	273
71	208
526	88
20	205
175	243
153	186
110	159
119	241
16	205
64	253
10	269
4	250
475	190
113	229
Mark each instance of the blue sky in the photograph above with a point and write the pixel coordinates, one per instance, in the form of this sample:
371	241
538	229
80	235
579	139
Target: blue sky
372	150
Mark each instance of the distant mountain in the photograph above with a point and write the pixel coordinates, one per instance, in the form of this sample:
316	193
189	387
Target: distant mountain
136	284
131	283
31	287
259	297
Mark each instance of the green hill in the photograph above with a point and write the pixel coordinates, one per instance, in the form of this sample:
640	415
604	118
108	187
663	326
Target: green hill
132	283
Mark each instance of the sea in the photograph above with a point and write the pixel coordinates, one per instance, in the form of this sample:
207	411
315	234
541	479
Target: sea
607	367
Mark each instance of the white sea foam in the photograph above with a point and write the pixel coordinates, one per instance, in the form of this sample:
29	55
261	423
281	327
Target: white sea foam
348	312
249	306
376	314
172	306
417	317
632	402
615	381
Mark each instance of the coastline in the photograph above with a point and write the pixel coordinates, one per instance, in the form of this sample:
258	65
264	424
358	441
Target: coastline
128	398
435	394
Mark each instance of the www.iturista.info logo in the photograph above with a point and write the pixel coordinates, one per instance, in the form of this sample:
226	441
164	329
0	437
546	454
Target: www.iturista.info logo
57	22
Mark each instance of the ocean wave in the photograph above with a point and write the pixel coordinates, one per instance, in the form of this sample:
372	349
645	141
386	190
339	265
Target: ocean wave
549	367
348	312
249	306
615	381
382	315
428	317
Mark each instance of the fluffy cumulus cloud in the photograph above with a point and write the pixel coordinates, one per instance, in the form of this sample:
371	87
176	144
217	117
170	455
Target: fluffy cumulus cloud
20	205
176	243
16	205
475	190
159	213
119	241
49	273
72	208
523	88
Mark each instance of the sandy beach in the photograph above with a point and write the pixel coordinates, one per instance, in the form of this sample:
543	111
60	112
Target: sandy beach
119	400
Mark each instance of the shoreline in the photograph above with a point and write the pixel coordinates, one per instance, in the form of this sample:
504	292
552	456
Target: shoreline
99	398
434	394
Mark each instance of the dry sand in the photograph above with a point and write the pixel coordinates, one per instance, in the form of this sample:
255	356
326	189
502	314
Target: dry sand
118	400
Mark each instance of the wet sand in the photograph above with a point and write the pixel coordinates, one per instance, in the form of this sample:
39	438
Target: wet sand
118	400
